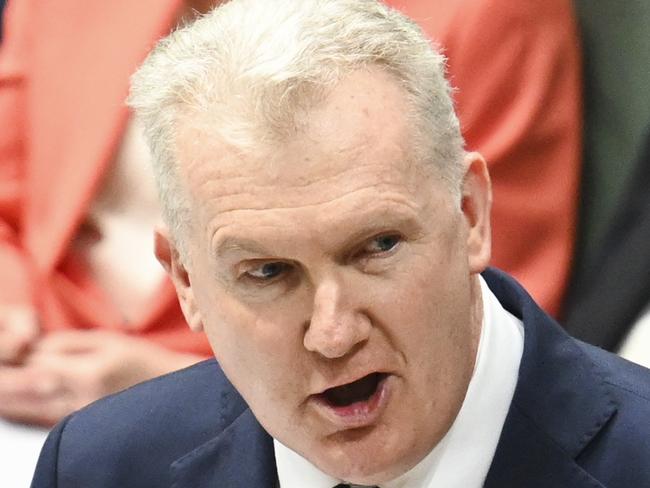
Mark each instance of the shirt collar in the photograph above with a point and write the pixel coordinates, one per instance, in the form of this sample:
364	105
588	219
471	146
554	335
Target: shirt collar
294	471
463	456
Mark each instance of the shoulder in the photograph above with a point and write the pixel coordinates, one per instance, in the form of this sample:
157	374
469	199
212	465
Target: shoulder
185	407
141	431
624	440
628	380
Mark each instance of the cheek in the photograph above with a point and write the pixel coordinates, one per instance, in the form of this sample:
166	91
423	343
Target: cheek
431	284
259	350
424	310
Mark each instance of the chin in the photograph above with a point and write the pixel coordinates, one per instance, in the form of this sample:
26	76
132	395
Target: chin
366	461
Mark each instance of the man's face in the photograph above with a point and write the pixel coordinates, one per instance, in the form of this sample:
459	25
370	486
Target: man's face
335	279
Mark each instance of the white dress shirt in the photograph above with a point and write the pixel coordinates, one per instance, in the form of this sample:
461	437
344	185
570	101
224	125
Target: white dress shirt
463	457
636	346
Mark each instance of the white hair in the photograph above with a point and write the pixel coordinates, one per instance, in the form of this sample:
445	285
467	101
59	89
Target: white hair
254	64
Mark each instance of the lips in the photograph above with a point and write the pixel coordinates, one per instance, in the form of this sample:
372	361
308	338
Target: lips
359	403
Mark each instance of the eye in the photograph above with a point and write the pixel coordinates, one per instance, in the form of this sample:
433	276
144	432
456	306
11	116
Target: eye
267	272
381	245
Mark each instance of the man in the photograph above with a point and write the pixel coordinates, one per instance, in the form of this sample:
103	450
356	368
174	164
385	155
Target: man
326	229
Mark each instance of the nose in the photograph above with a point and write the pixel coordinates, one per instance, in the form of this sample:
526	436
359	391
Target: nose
336	326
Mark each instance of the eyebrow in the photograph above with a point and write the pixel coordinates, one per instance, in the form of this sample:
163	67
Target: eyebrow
372	225
230	244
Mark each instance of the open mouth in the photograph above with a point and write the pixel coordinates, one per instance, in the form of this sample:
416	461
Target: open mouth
358	391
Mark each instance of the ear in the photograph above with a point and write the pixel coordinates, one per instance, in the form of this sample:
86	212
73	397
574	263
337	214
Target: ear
476	202
170	258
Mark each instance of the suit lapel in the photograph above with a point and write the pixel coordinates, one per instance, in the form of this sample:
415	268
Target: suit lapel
242	456
560	404
527	457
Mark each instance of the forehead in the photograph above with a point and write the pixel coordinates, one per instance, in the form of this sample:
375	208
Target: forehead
350	150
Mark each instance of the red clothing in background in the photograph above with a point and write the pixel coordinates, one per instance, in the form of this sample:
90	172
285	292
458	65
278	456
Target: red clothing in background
517	69
64	74
64	70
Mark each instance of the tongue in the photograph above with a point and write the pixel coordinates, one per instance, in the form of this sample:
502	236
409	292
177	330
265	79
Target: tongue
356	391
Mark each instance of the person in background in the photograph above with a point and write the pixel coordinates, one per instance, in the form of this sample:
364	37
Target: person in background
610	306
85	310
516	67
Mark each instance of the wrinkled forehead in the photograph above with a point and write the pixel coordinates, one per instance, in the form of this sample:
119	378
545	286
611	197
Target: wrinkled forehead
362	127
307	178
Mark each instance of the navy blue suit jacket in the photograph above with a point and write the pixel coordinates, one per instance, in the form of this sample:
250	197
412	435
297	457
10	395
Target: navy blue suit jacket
580	417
